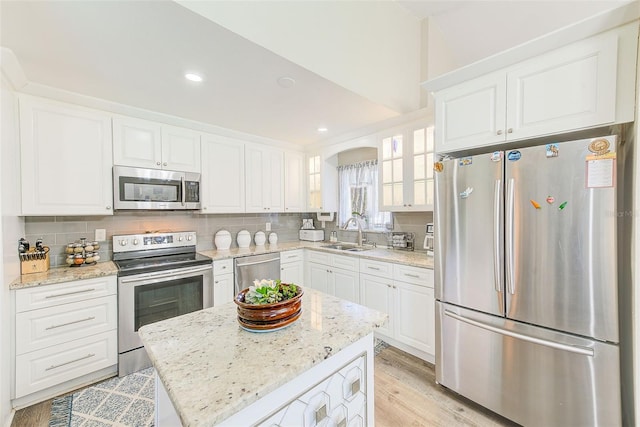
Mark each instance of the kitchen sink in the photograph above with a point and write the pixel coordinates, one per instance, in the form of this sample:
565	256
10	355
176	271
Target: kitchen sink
349	248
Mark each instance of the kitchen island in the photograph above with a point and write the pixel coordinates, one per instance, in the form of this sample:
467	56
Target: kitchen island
212	372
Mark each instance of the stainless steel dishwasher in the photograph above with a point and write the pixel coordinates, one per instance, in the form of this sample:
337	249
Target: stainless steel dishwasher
256	267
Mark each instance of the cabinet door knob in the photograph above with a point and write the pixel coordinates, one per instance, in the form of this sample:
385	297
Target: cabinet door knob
510	130
108	207
164	164
500	132
158	163
409	205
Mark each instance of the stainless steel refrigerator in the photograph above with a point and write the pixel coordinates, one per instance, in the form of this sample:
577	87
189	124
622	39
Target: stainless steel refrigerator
526	282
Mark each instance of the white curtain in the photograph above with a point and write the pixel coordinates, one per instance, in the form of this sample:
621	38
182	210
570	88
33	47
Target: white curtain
359	193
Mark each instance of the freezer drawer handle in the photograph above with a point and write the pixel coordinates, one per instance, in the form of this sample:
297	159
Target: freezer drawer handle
571	348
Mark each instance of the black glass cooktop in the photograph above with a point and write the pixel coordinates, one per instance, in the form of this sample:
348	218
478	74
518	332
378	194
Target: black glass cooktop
145	264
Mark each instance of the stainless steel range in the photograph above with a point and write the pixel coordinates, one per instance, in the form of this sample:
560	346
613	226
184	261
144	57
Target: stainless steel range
160	276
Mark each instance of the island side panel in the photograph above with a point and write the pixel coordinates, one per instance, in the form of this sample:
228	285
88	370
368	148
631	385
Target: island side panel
354	366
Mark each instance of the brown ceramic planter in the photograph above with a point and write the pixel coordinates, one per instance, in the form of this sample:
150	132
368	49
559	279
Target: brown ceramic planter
268	316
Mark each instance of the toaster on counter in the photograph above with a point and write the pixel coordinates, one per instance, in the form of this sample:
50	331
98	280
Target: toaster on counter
312	235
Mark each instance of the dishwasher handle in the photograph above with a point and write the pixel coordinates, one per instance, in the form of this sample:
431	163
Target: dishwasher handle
257	262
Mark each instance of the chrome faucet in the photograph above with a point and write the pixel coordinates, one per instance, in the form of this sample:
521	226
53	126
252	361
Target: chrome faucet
346	224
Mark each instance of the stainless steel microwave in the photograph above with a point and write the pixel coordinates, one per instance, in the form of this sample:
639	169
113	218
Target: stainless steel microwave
153	189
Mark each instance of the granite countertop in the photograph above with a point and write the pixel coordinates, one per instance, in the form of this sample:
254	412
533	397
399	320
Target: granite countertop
207	362
108	268
64	274
416	259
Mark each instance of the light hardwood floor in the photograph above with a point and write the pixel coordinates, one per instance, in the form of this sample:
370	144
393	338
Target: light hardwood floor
406	395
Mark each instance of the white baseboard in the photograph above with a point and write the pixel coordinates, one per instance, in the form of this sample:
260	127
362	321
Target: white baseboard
9	420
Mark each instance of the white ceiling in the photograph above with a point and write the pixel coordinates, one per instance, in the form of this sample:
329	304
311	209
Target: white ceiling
136	52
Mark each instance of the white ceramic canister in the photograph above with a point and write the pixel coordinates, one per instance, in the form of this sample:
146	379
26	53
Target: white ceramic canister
243	239
259	238
223	240
273	238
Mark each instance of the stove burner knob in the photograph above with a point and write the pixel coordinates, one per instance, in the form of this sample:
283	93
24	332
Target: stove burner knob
189	237
135	241
180	239
123	242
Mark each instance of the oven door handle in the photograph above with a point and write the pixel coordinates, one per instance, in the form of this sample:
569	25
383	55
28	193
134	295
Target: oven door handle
165	274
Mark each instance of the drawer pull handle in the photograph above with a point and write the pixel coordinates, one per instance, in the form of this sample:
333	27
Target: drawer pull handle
412	275
373	268
70	293
292	256
71	361
70	323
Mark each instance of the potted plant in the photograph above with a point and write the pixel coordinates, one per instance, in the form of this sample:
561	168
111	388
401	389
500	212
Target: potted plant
269	305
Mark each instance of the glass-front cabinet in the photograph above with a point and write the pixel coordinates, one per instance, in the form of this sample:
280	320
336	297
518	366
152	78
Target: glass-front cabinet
406	181
322	183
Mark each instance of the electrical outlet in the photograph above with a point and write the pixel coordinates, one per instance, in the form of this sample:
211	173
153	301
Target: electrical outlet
101	235
267	226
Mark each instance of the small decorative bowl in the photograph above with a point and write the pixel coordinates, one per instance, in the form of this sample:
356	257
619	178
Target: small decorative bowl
268	317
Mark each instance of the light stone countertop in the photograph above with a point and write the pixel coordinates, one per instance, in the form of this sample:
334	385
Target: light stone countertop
413	258
64	274
212	368
108	268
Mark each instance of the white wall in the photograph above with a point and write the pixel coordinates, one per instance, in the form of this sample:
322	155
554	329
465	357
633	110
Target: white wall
11	230
356	44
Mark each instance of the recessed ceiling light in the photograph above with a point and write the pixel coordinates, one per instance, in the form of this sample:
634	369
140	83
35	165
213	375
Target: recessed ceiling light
322	129
286	82
193	77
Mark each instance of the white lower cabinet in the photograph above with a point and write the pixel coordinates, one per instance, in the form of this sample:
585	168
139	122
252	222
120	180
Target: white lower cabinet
64	332
292	267
334	274
407	295
377	293
223	284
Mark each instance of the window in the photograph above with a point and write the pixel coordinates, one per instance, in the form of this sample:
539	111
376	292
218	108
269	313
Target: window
359	193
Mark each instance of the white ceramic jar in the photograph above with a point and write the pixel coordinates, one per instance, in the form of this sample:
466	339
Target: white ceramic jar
243	239
273	238
222	240
259	238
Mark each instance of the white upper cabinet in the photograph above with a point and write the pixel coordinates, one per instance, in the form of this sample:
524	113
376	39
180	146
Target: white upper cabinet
471	113
66	159
294	182
147	144
583	85
264	179
322	183
222	175
406	174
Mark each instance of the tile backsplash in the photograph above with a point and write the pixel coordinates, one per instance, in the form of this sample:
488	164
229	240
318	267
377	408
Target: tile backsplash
57	231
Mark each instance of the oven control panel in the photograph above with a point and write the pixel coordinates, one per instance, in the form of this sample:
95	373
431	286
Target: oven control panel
146	241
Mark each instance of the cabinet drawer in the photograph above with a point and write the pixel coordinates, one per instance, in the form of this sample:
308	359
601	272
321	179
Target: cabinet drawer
291	256
319	257
346	262
224	266
415	275
64	293
37	329
51	366
376	268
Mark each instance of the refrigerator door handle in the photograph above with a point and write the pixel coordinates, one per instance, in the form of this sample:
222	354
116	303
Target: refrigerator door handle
496	236
509	239
565	347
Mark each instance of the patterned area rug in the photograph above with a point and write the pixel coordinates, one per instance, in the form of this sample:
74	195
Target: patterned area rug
119	402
